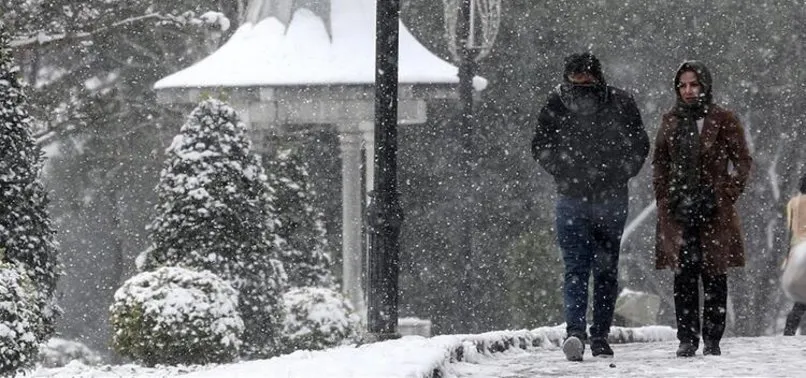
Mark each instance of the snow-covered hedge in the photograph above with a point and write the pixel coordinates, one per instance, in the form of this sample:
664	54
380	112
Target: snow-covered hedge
58	352
20	320
175	315
317	318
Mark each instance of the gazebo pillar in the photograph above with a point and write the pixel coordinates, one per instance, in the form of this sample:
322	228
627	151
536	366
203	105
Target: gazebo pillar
368	133
350	143
367	129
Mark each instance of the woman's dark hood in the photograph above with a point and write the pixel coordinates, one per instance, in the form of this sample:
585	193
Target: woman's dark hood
703	76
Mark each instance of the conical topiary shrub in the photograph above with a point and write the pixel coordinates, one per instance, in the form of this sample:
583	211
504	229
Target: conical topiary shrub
215	213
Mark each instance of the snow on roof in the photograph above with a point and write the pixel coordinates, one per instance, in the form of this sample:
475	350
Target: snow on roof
270	54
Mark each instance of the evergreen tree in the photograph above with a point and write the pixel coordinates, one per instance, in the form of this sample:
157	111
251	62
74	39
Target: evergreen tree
20	320
26	234
90	67
304	255
214	213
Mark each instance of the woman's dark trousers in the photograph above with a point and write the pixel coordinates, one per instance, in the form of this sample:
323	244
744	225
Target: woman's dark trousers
793	319
687	298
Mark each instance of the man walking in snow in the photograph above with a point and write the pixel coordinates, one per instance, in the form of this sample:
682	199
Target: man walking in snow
590	137
700	166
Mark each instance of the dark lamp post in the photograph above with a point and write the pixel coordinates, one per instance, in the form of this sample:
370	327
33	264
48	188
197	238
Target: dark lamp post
467	221
384	213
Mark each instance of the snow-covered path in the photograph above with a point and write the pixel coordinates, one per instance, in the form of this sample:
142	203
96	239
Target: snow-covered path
777	356
500	354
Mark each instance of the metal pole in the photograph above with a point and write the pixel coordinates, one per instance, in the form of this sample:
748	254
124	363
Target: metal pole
468	217
385	215
471	18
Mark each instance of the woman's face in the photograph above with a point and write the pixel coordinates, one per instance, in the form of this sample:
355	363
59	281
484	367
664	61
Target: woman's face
689	87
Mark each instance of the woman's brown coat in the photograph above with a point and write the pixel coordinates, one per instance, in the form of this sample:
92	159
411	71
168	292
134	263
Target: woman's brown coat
725	163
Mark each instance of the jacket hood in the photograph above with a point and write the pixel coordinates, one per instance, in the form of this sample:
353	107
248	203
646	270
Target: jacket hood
584	62
703	76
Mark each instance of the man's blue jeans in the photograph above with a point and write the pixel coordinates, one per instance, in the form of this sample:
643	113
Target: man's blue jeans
589	234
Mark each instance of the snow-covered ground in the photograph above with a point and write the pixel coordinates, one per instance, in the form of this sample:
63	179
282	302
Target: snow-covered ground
505	354
777	356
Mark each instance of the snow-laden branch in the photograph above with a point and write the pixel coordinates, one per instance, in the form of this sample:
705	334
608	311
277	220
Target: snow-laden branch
751	145
45	39
770	231
43	138
772	173
637	221
241	12
216	19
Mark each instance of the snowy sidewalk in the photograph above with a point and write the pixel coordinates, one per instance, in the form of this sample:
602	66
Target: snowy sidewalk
408	357
646	352
777	356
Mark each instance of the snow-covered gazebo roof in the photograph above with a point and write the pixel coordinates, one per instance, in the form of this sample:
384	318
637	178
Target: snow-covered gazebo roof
266	52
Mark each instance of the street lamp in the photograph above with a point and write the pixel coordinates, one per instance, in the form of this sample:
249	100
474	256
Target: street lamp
471	26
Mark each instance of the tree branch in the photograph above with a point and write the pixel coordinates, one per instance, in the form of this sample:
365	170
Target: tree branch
43	39
637	221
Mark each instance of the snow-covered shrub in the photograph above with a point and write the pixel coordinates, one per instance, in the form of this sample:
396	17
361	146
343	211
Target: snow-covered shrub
176	316
58	352
26	233
317	318
19	320
304	254
214	213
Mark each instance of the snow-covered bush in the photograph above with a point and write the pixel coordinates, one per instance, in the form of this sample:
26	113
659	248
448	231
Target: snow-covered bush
26	233
176	316
19	320
58	352
304	254
317	318
215	213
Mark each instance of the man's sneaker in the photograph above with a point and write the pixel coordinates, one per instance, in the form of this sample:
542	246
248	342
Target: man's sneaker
574	348
687	349
600	347
711	349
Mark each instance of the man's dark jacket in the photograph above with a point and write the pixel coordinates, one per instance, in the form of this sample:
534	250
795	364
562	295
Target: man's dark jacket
591	154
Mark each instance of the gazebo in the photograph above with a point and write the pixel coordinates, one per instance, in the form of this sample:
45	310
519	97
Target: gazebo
294	63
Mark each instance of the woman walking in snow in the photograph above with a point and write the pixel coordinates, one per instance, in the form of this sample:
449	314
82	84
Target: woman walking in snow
701	164
796	222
